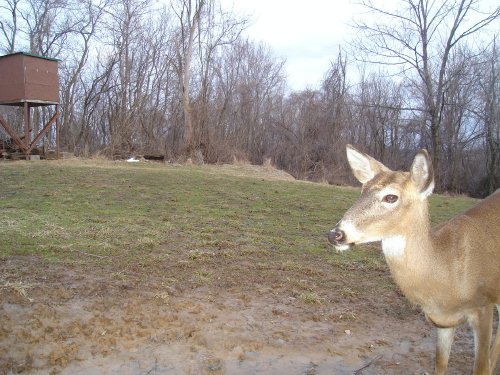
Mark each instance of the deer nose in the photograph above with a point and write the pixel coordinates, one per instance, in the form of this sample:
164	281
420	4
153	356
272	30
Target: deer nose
336	236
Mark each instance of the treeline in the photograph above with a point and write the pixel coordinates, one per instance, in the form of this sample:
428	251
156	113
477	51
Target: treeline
180	79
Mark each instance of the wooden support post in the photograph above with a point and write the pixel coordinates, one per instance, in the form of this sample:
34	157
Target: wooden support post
27	128
57	131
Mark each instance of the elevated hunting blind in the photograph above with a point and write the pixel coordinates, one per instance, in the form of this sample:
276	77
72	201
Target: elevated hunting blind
27	81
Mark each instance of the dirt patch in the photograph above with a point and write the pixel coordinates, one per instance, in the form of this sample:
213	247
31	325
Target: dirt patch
76	321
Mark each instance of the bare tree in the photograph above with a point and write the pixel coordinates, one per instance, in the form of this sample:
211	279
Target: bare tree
8	25
418	37
87	15
48	24
335	92
492	121
189	13
487	109
218	30
378	117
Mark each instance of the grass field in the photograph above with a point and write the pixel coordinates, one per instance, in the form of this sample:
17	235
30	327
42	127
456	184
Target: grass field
63	211
170	229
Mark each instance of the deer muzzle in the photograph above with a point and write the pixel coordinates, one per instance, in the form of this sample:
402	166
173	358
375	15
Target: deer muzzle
337	238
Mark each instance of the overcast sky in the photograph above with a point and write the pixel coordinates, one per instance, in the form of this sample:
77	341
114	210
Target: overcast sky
305	32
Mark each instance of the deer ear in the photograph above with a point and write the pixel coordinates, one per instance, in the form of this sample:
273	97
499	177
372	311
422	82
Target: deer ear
363	167
422	174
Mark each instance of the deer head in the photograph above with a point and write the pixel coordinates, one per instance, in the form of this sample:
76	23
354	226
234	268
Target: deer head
388	203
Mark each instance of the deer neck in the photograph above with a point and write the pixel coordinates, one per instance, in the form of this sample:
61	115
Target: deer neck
414	243
413	259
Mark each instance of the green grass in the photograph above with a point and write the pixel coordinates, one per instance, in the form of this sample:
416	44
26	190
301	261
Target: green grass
57	209
138	218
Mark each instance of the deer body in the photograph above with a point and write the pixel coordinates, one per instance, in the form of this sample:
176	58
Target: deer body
471	277
452	272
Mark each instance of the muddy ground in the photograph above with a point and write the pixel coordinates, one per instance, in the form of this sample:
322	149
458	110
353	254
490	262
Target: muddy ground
76	320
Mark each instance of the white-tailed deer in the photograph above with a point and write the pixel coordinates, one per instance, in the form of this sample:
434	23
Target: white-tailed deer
452	271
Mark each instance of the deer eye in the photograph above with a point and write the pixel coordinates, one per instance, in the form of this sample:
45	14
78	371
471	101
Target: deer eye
390	198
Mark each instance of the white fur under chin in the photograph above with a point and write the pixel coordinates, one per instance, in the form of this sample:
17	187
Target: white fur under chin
394	246
341	248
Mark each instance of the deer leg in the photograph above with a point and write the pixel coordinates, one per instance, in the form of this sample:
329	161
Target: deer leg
443	348
481	322
495	349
